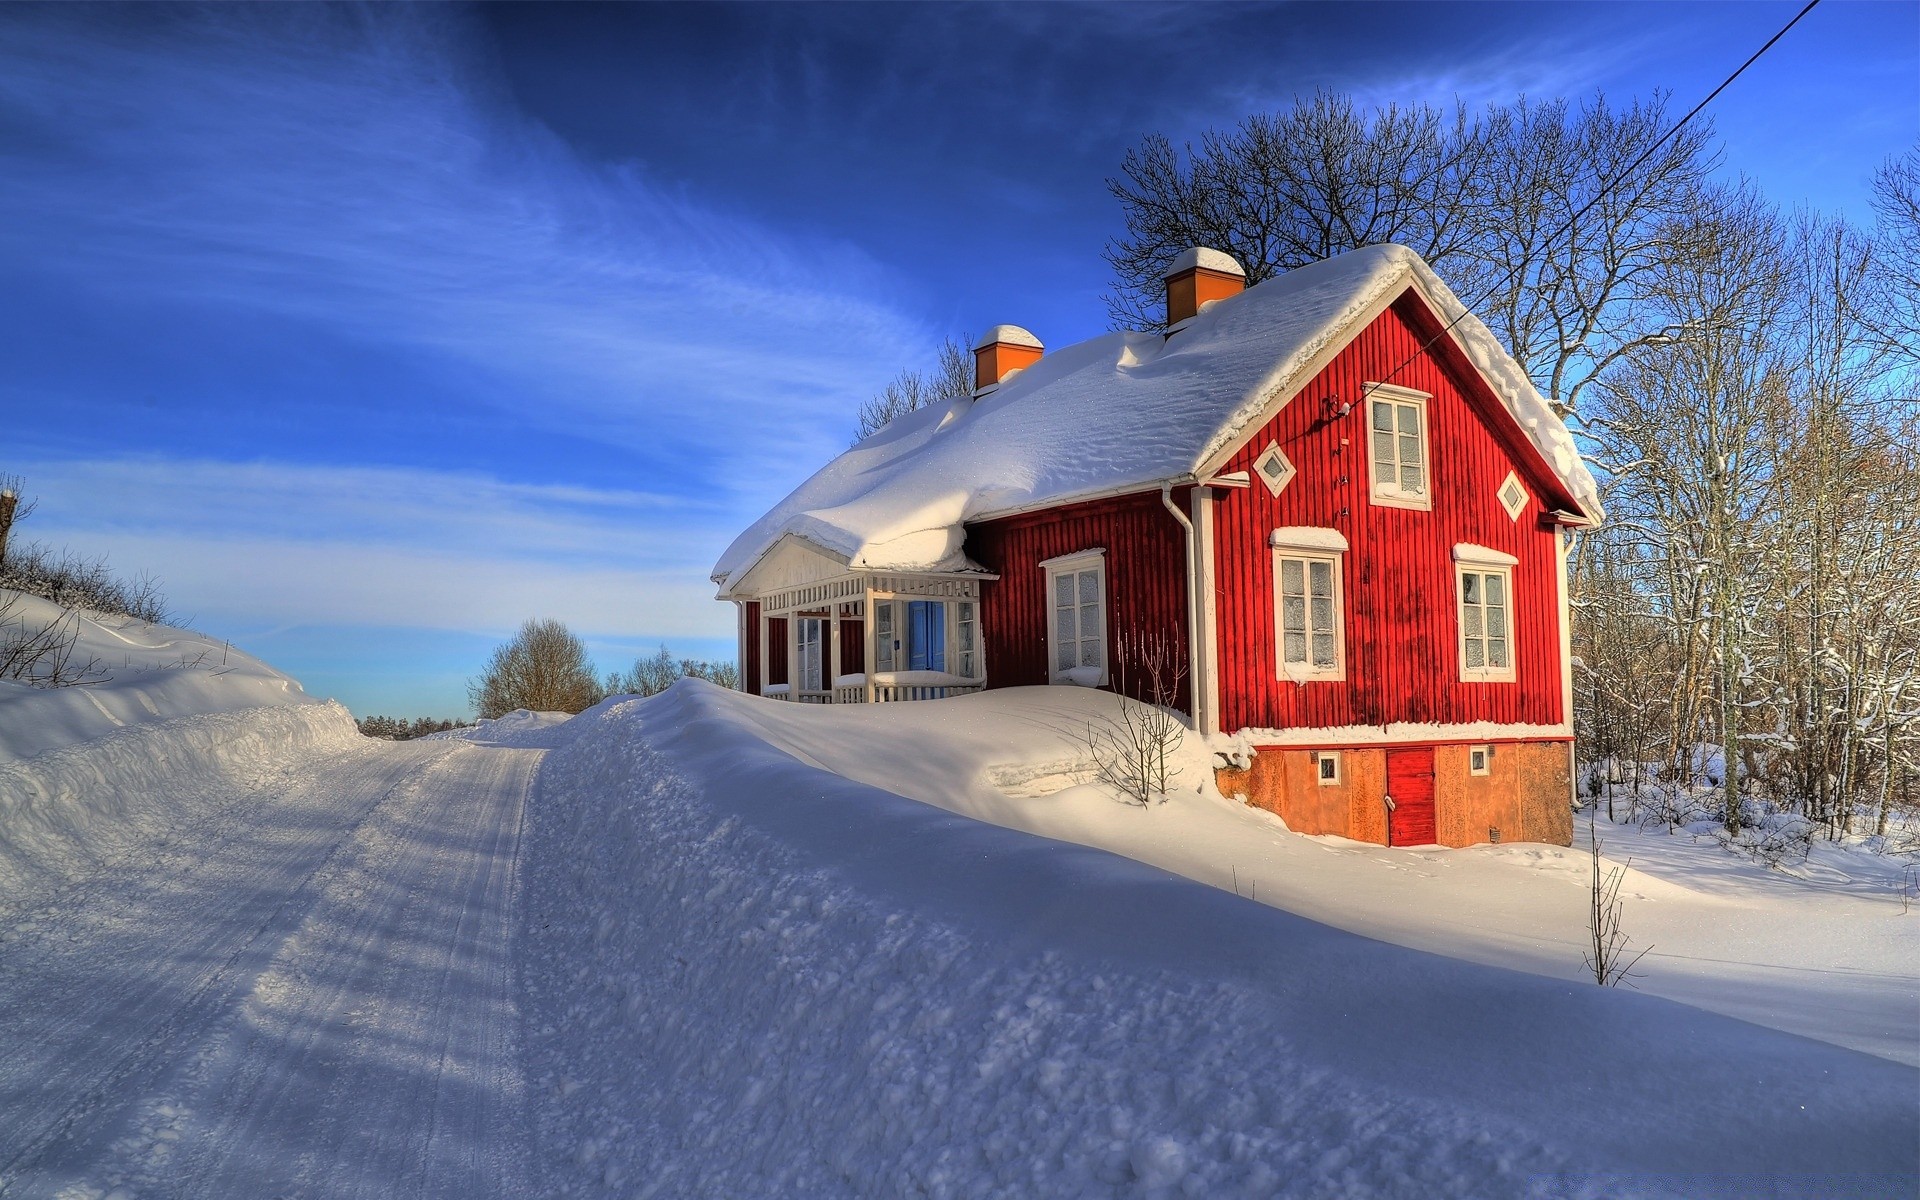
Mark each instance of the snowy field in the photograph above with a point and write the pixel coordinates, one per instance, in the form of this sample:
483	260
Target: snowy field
1827	950
707	945
752	974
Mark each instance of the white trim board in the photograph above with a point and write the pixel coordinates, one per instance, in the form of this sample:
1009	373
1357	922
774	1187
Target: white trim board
1404	733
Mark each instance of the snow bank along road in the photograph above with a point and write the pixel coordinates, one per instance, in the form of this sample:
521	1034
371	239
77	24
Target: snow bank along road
650	953
305	990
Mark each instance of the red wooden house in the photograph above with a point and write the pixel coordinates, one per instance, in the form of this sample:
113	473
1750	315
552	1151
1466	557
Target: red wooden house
1334	497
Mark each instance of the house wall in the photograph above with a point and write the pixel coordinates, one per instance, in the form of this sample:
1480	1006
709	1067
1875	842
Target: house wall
776	650
1401	617
1146	583
1525	795
750	651
853	647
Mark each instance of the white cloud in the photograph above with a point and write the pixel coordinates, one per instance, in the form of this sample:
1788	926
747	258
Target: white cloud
302	545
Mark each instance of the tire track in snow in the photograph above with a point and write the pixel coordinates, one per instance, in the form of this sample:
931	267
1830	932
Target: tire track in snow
378	1055
287	973
113	977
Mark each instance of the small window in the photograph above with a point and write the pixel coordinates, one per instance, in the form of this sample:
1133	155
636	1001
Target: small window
1307	615
1486	623
883	636
1077	597
1326	767
1397	461
1480	760
1273	468
965	636
810	650
1513	497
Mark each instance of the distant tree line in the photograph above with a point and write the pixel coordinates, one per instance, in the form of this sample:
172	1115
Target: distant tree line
545	668
655	674
399	729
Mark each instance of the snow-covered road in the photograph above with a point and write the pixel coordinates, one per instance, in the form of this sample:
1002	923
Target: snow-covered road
311	992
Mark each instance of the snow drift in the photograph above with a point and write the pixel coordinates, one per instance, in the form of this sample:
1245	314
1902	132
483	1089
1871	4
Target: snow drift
178	725
747	975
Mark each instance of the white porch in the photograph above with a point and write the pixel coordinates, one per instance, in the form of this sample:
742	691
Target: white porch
911	635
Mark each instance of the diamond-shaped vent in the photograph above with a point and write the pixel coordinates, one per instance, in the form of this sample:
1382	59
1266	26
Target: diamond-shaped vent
1273	468
1513	497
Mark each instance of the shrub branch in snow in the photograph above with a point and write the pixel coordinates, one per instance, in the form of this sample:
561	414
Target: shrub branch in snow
44	655
1132	748
1607	943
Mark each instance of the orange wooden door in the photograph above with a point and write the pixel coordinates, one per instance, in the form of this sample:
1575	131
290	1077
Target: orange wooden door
1410	783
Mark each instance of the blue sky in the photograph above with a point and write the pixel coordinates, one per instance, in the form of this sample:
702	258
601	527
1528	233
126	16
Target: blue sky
373	331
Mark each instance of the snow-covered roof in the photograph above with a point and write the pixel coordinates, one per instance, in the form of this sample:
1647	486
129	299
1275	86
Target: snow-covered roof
1121	412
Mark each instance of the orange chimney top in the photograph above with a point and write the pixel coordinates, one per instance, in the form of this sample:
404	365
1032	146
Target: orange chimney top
1199	277
1000	352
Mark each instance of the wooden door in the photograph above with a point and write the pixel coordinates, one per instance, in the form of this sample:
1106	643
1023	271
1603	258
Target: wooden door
1410	783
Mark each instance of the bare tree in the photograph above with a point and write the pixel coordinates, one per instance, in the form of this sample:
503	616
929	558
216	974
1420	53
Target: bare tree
544	668
12	508
1896	199
1544	216
1691	415
1286	189
950	378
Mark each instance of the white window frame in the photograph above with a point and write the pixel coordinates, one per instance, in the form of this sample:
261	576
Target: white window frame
1309	546
1081	561
1273	453
1519	506
1320	773
1478	560
1388	492
894	604
883	639
964	617
822	679
1486	760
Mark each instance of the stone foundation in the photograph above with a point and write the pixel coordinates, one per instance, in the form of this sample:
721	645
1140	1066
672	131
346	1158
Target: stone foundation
1526	796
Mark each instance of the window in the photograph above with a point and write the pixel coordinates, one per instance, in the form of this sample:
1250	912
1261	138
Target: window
909	635
1479	760
1486	640
1326	767
884	639
808	645
1273	468
1307	602
1077	596
1397	462
1513	496
966	635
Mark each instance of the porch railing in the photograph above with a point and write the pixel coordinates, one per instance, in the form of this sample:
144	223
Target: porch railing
883	693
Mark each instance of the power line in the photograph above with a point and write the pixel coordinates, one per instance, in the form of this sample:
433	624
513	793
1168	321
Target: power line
1617	180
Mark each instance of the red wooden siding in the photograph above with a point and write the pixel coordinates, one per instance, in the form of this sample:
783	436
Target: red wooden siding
1400	610
776	650
750	662
1410	783
853	647
1146	581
